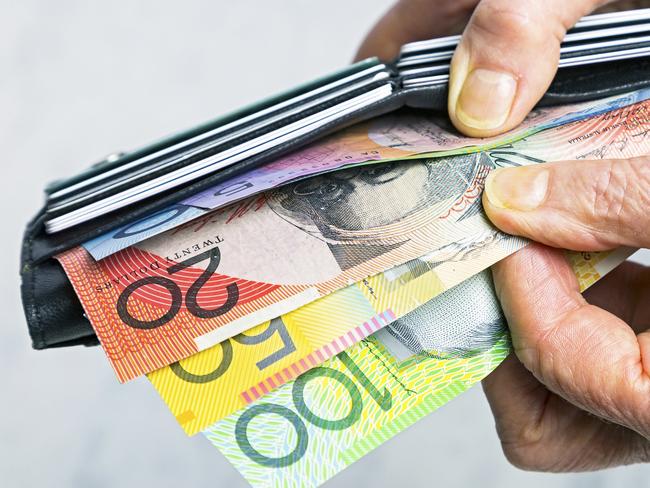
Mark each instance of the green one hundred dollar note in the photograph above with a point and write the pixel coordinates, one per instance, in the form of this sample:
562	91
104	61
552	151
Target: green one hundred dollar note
308	430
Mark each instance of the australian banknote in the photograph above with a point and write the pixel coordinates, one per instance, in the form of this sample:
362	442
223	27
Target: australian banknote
220	380
185	290
567	142
396	136
216	382
621	133
306	431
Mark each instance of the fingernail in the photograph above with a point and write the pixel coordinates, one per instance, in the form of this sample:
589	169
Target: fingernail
486	98
521	188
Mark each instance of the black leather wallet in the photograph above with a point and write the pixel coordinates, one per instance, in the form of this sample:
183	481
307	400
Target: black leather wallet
590	68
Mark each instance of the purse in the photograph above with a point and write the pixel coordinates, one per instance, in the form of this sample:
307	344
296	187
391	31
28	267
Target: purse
603	55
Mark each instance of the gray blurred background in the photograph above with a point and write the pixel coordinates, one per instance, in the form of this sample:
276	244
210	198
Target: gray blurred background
79	80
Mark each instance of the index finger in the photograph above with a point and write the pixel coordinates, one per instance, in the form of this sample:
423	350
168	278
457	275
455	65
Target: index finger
414	20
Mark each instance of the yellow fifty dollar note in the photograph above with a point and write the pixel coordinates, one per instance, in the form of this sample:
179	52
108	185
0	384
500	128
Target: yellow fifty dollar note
216	382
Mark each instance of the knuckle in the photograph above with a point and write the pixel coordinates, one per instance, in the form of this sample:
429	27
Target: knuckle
523	442
516	21
547	356
609	192
634	402
525	455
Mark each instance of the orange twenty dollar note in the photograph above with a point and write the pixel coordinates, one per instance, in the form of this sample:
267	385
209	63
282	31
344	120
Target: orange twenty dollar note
187	289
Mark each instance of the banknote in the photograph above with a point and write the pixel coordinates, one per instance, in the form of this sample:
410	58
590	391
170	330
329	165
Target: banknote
617	134
185	290
216	382
394	293
308	430
454	260
395	136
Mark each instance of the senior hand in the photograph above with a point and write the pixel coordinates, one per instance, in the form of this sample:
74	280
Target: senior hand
576	394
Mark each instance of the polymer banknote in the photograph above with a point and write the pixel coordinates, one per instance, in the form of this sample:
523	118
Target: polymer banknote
308	430
395	136
621	133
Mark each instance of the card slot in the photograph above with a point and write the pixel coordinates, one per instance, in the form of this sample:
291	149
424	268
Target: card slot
606	48
623	17
432	70
220	160
625	30
584	60
565	50
597	58
302	110
424	58
43	246
269	104
439	73
438	80
591	27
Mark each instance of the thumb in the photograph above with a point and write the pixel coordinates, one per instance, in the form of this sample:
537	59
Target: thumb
578	205
506	59
586	355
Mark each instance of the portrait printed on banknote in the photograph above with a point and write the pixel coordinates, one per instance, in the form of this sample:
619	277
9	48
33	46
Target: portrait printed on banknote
341	208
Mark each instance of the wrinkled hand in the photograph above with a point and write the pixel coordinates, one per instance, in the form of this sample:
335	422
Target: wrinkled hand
576	394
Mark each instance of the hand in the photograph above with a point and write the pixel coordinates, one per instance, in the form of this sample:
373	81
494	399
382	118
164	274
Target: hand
506	59
577	394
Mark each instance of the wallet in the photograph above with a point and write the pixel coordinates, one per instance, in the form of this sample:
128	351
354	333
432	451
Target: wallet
602	55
